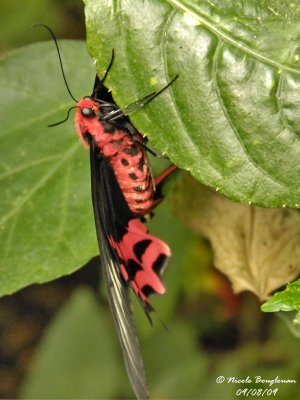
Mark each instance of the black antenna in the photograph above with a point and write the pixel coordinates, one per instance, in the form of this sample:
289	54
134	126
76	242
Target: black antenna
109	65
58	52
64	120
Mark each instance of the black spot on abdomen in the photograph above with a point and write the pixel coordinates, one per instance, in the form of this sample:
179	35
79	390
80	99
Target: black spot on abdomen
132	151
124	162
132	176
138	189
108	128
141	164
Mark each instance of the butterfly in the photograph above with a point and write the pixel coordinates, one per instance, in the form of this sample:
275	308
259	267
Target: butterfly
123	194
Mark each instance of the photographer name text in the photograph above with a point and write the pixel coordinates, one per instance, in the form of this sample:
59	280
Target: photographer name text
255	379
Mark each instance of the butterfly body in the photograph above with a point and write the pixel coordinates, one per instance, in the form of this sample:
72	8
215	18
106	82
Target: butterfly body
126	157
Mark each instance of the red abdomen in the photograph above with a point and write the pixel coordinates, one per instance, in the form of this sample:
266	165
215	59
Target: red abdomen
128	159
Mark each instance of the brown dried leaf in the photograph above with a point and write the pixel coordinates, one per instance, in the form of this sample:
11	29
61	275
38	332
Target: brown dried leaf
257	248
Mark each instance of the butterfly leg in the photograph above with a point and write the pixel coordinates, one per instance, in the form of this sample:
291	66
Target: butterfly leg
134	134
152	152
159	183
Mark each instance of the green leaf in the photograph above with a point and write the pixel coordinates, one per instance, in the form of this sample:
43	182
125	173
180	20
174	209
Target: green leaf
78	357
46	223
232	117
286	300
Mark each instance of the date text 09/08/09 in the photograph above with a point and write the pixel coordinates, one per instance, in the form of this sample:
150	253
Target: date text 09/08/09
256	392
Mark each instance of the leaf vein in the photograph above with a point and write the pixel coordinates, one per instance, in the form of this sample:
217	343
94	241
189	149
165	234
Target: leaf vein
39	185
228	118
228	39
27	166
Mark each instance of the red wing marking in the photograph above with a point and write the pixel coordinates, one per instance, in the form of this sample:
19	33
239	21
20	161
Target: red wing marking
142	259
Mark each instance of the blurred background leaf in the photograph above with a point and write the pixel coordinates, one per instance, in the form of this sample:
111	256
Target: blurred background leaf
258	249
78	357
65	18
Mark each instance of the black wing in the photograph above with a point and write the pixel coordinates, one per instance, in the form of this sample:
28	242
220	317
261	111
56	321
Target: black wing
108	107
112	213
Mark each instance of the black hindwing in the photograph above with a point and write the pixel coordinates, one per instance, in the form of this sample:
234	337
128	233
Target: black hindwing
112	215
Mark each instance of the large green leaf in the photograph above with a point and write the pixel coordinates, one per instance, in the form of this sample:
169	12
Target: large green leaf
46	224
232	116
